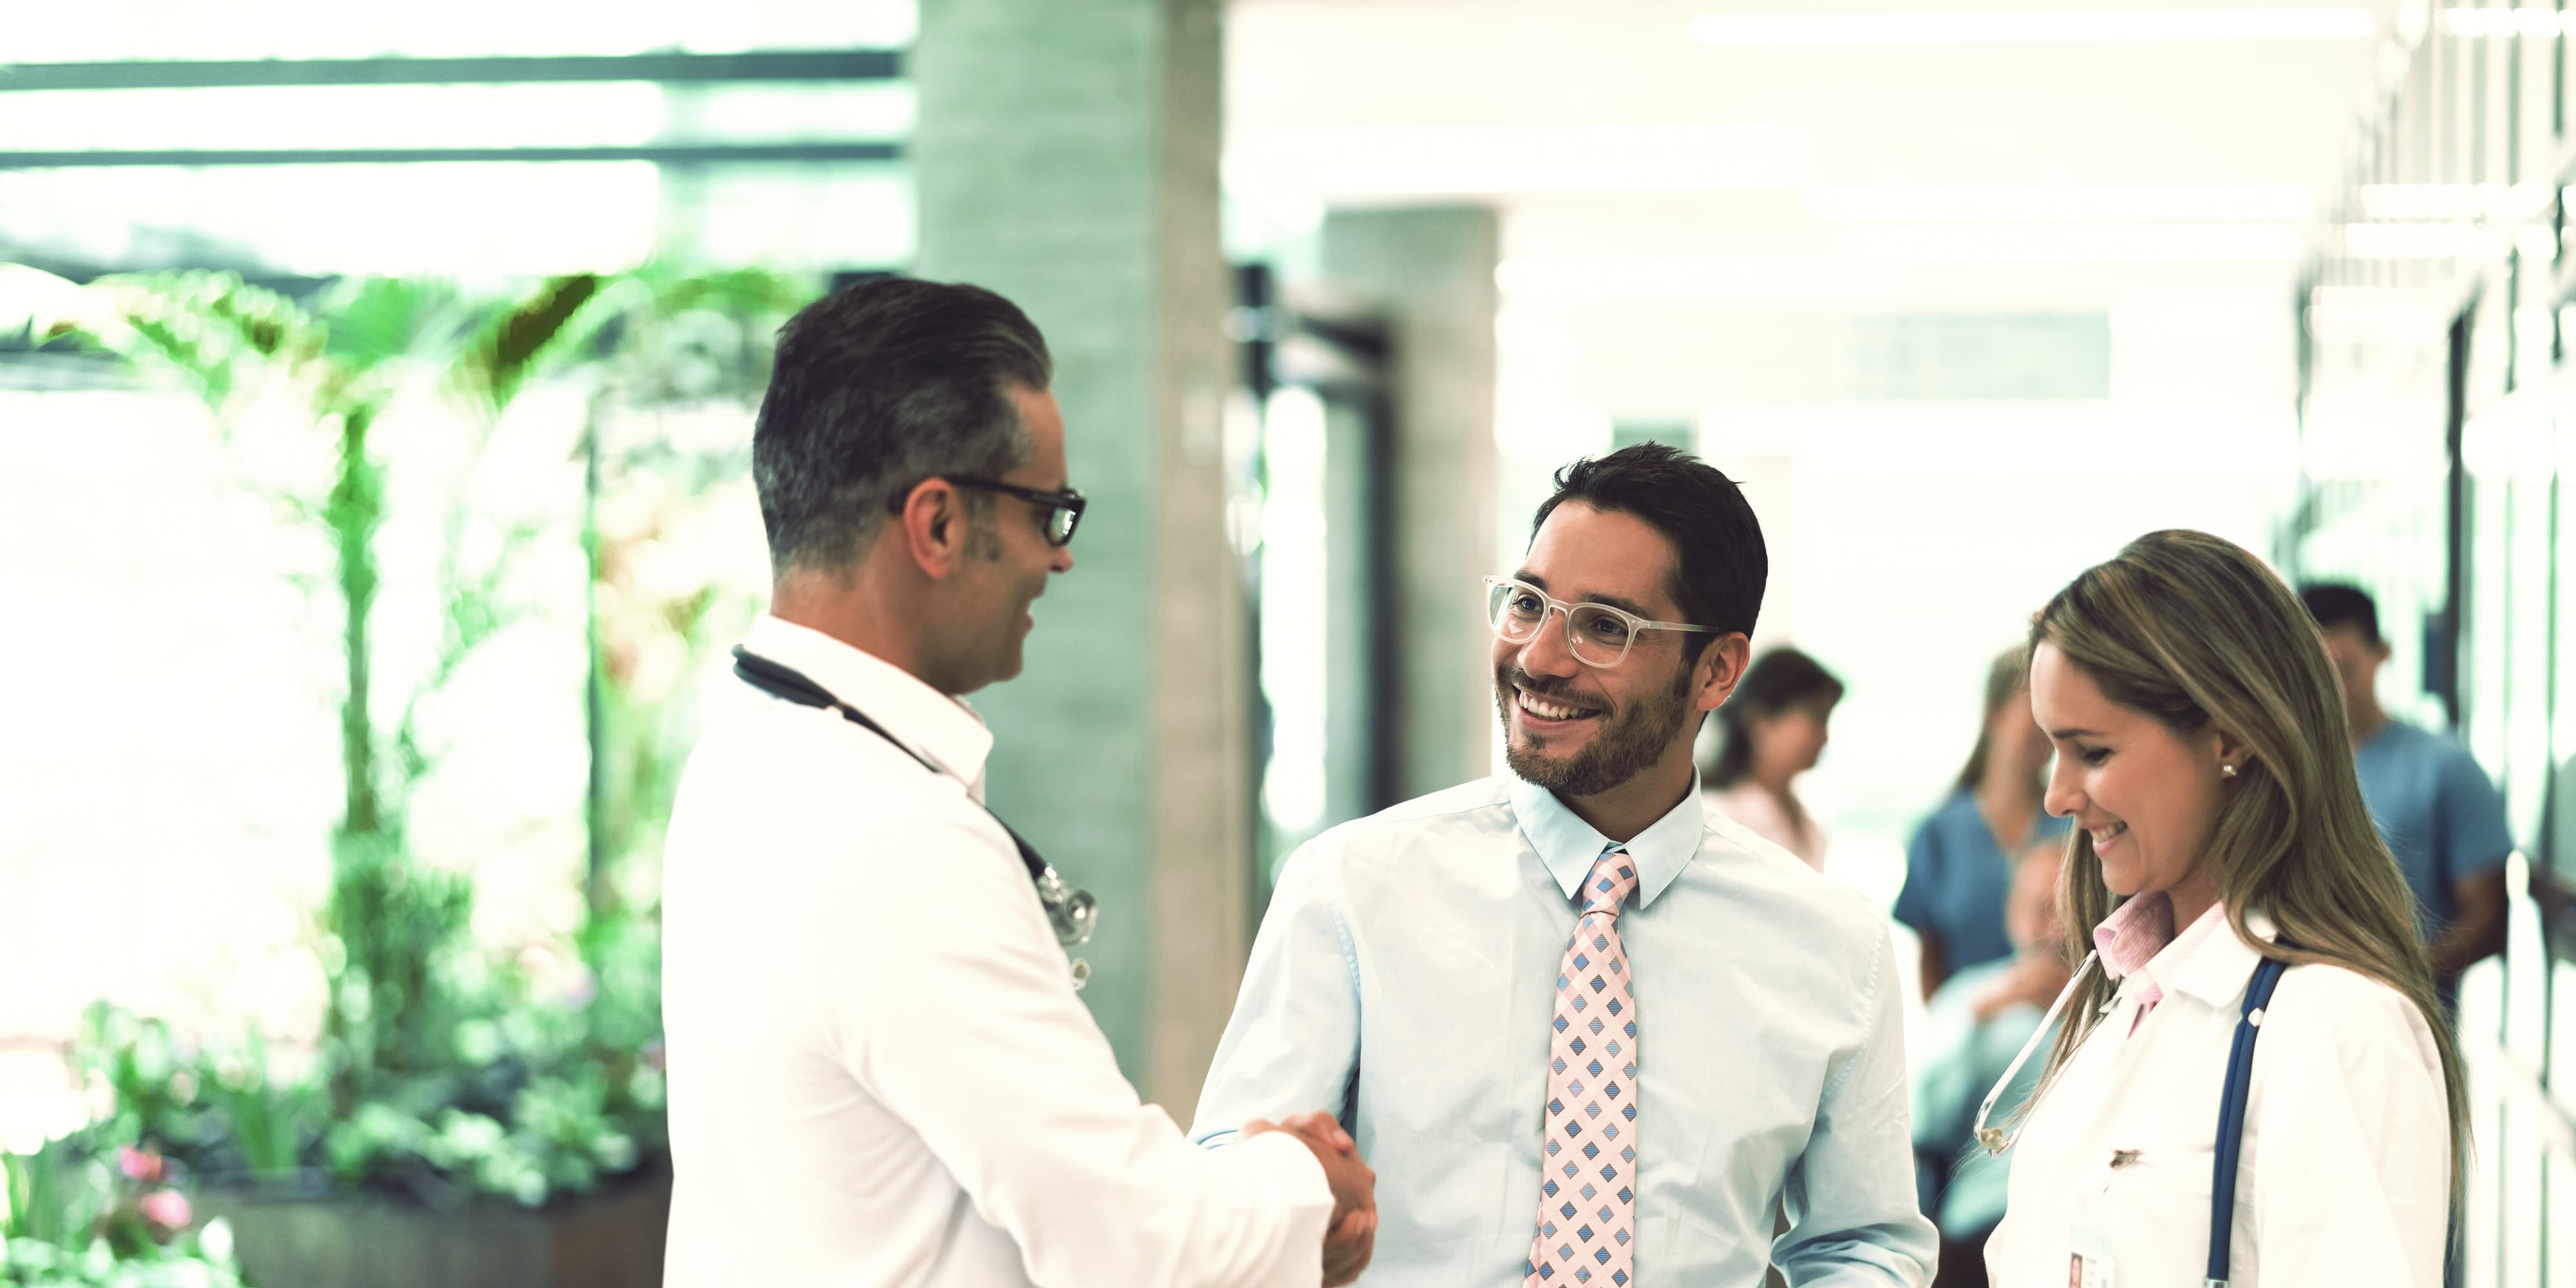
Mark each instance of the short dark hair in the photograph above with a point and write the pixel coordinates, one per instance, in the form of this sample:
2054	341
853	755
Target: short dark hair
878	386
1778	680
2335	603
1719	561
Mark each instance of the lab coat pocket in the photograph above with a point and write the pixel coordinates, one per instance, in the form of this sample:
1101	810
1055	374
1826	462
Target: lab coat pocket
2156	1207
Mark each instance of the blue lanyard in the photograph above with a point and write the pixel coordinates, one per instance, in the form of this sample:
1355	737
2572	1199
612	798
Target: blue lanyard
2231	1117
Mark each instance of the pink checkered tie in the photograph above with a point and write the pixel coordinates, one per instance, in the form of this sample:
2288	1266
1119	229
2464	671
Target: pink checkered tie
1587	1178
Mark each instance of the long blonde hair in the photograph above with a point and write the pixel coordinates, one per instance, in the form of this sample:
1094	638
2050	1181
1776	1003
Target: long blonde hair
2191	630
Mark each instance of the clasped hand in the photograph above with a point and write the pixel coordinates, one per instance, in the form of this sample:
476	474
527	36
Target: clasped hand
1352	1233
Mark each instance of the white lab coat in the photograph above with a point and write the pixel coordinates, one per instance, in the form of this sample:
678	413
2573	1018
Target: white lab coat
880	1075
2344	1178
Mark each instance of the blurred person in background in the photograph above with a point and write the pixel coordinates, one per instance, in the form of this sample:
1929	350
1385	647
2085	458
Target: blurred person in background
1590	1031
879	1071
2222	846
1974	1026
2435	807
1955	869
1771	731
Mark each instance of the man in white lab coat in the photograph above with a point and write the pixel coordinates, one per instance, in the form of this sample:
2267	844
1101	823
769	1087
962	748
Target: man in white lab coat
879	1071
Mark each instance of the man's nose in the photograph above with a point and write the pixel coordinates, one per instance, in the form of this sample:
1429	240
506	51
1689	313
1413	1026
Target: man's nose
1062	560
1547	652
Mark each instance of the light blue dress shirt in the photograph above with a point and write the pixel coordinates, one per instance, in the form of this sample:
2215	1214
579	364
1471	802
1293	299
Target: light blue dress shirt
1404	977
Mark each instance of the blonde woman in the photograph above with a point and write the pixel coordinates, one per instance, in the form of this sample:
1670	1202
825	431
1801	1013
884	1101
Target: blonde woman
2201	753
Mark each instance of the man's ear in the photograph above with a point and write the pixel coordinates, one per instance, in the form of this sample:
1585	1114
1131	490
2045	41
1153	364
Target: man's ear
1721	665
934	524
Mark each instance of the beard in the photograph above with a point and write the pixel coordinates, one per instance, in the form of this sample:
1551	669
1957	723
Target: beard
1622	748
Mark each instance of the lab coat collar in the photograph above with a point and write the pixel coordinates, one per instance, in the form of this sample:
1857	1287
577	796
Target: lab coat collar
929	723
2218	969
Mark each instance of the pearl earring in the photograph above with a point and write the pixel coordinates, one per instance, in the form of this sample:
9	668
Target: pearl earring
2227	771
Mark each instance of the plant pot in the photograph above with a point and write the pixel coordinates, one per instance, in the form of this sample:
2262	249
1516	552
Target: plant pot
610	1239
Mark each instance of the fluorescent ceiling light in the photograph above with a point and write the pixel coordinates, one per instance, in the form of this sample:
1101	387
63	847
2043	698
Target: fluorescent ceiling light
2456	200
2060	203
2499	23
2031	26
1745	276
1466	160
2457	239
2178	243
1867	252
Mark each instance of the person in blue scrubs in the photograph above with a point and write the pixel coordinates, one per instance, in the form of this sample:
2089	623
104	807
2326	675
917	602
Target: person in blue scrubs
2435	807
1956	871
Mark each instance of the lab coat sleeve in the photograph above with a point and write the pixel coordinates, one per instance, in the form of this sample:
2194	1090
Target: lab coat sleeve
2350	1163
958	1012
1293	1043
1853	1214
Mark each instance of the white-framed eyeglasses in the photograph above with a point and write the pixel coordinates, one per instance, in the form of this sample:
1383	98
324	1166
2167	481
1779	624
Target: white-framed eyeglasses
1995	1139
1597	634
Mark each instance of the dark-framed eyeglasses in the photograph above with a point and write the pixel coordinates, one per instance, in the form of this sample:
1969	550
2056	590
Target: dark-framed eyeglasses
1063	509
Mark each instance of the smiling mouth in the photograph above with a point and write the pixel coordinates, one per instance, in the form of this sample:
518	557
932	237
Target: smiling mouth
1540	709
2105	835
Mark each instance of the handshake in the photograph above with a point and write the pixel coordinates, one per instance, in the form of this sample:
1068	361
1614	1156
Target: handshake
1352	1233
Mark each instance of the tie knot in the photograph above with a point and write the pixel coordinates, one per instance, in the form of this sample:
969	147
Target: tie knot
1613	876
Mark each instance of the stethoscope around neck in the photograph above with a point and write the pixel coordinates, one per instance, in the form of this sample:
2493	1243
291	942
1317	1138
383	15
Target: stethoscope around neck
1071	912
2230	1140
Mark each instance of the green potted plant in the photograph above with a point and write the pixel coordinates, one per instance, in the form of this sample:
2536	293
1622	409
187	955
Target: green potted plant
458	1122
79	1213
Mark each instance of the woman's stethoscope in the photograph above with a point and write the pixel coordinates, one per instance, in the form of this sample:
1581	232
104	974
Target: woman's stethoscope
2231	1104
1073	913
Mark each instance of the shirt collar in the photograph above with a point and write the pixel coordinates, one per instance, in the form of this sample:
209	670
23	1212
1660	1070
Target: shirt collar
2204	959
937	726
2134	933
1567	845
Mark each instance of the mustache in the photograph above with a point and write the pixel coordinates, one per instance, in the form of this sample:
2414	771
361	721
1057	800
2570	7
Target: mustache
1551	690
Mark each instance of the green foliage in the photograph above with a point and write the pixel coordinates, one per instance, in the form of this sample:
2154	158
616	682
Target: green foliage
517	1096
82	1212
492	1090
270	1118
37	1264
392	933
442	1074
57	1195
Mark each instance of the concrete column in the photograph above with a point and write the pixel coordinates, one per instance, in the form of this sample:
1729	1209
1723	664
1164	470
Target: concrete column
1432	270
1067	157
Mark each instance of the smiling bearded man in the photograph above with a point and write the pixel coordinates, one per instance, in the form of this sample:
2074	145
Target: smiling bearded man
1586	1031
1626	744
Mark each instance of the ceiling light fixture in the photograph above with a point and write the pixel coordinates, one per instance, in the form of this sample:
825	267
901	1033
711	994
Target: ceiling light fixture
1868	254
1469	160
2031	27
2060	203
2495	24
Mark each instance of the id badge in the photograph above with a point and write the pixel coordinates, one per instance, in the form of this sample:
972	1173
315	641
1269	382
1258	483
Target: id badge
2088	1261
